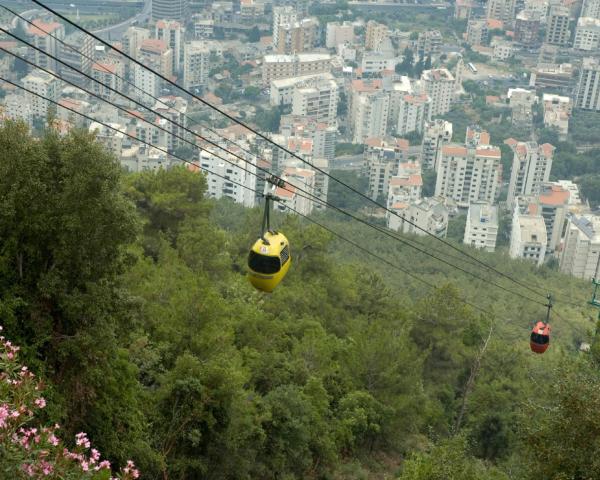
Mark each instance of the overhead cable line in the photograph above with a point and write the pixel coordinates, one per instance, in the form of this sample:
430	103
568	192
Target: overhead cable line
286	150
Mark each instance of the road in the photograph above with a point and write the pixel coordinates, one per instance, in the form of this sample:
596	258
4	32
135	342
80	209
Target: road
116	31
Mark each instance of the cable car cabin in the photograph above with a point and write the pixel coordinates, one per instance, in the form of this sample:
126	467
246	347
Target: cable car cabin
269	261
540	337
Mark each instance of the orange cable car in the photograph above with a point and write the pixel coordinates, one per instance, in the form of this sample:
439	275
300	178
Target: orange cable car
539	340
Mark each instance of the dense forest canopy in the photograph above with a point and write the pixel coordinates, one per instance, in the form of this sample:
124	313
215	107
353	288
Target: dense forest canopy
128	296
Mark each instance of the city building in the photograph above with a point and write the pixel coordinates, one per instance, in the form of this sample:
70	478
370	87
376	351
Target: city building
375	62
172	33
196	64
553	202
587	96
477	32
224	179
281	91
147	84
316	98
437	134
382	159
170	10
527	28
45	85
282	15
462	9
591	9
108	78
552	76
413	112
420	217
132	40
175	109
46	36
375	35
573	189
157	53
142	158
469	172
528	235
481	229
429	43
296	37
286	66
587	34
557	111
503	10
581	249
17	107
530	169
79	58
406	186
290	200
369	116
521	103
439	85
557	26
338	34
112	138
503	50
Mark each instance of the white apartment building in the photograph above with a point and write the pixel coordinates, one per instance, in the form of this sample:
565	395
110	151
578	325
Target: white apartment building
291	199
370	116
196	64
588	87
45	85
231	176
437	134
286	66
413	112
591	8
573	189
397	87
528	235
158	53
175	109
521	102
338	34
282	90
581	248
45	36
477	32
375	62
587	34
503	10
316	98
530	169
503	50
557	25
429	214
407	185
172	33
382	159
375	35
557	111
297	37
481	230
284	15
17	107
470	172
553	202
323	136
439	84
147	84
79	58
132	40
112	138
108	74
141	158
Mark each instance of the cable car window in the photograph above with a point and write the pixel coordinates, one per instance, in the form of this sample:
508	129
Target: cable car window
285	255
263	263
540	339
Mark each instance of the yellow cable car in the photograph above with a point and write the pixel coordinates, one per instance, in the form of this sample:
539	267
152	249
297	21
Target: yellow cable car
269	259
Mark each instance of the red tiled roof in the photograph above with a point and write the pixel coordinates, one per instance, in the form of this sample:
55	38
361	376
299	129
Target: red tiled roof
41	28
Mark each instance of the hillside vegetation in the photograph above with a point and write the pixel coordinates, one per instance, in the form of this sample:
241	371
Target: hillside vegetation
127	294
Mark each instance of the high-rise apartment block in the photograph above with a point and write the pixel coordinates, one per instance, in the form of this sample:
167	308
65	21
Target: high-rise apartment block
413	112
337	34
527	27
196	64
439	84
283	15
437	134
375	35
557	26
170	10
297	37
173	35
530	169
503	10
481	229
528	238
587	96
470	172
46	86
382	159
581	249
316	98
287	66
45	36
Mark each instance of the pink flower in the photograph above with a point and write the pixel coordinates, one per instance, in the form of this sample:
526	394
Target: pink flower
53	440
104	464
40	402
82	440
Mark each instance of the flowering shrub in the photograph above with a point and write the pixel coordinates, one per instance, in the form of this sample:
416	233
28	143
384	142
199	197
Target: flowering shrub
29	451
